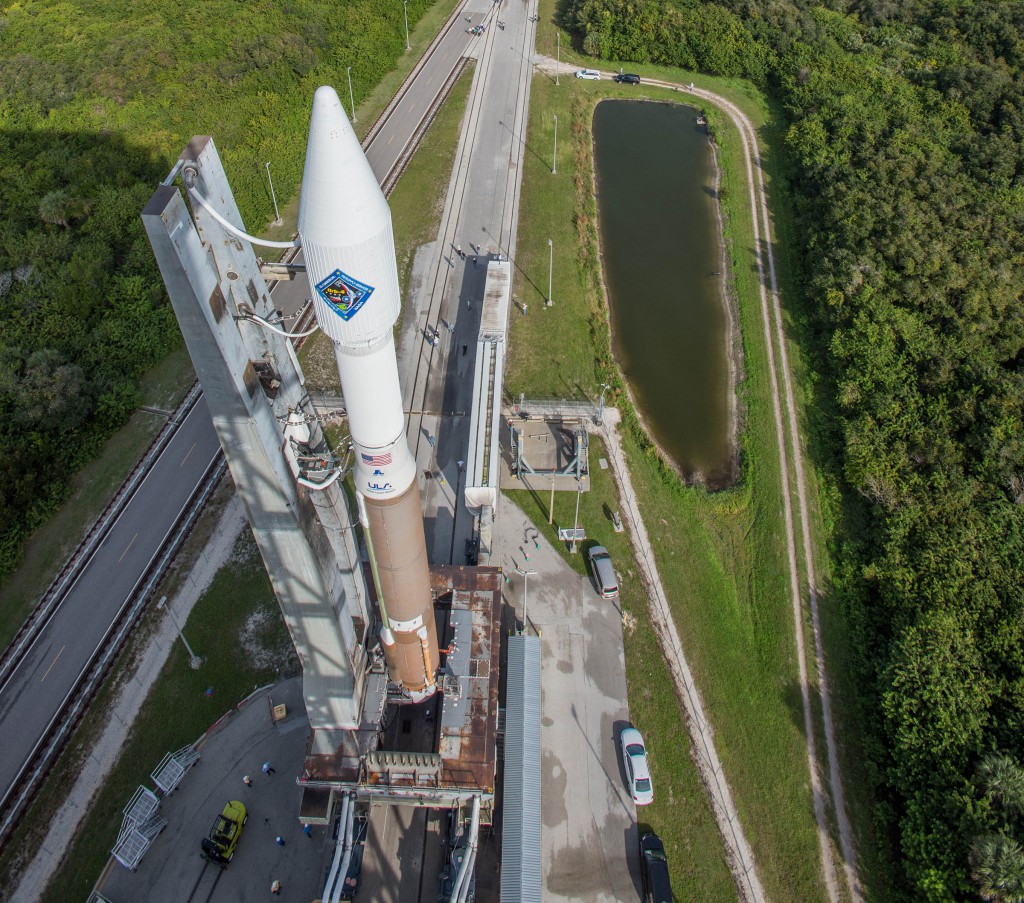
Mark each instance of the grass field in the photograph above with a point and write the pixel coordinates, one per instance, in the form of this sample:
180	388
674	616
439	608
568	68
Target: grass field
721	556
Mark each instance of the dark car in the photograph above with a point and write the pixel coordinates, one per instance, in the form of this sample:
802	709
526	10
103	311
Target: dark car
654	870
627	78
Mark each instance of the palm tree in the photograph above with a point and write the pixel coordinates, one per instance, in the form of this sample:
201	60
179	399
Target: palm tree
1003	778
997	867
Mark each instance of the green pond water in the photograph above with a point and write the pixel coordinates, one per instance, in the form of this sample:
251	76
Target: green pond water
661	250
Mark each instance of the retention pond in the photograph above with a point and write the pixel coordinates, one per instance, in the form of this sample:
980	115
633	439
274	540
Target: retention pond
663	267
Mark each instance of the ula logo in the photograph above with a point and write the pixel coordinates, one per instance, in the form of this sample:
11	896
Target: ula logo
377	487
343	294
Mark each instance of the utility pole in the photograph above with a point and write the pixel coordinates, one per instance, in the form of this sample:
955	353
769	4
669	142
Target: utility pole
526	598
551	507
576	519
600	405
194	660
551	264
351	96
554	153
558	55
273	197
405	7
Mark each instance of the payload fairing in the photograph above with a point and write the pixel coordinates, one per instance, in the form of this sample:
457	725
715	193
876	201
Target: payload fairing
345	229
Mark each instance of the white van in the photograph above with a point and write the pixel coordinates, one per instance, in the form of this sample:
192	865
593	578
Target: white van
592	74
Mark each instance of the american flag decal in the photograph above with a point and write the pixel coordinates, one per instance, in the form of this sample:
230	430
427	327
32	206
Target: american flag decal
376	460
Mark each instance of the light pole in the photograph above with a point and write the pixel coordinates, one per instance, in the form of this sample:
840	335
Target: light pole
405	7
526	598
273	197
194	660
576	519
600	405
558	55
554	153
551	264
351	96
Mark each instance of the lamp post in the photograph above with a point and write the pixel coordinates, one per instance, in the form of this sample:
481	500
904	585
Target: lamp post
551	264
194	660
554	152
351	96
558	55
600	405
526	598
405	7
273	197
576	519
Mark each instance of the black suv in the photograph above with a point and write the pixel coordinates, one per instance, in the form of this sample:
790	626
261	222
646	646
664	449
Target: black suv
654	870
627	78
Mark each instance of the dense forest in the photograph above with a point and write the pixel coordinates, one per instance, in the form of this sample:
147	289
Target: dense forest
904	157
96	101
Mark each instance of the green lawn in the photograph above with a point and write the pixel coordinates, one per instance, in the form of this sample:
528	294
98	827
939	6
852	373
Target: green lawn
721	556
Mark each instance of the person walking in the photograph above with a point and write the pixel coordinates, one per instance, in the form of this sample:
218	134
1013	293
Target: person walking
247	781
307	829
275	887
279	840
268	769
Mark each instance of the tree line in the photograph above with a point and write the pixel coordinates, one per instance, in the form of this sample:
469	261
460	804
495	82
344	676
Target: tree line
96	101
904	157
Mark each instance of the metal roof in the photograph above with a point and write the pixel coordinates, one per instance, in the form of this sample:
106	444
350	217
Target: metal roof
521	879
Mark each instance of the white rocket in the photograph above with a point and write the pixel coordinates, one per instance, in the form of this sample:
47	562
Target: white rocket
345	230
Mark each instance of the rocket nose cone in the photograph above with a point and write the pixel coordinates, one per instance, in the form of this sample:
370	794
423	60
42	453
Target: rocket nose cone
339	188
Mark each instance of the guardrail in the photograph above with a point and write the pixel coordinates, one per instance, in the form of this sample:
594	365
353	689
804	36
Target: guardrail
50	601
52	742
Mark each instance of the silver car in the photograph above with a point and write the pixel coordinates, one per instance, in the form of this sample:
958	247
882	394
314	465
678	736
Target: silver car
638	771
604	573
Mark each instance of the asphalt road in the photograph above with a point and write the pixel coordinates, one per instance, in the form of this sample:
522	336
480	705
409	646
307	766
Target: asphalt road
36	690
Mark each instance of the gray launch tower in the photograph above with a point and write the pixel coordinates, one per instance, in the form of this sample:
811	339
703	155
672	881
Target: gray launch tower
275	448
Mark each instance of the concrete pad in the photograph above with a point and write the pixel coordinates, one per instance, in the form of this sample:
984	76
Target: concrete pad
589	833
172	870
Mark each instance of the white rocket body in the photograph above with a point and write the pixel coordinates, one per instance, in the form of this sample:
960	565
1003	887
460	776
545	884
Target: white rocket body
345	229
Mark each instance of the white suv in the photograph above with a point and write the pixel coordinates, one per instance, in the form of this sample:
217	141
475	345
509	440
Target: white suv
588	73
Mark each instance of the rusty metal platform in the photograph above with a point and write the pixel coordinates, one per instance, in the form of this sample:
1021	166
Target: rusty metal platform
468	611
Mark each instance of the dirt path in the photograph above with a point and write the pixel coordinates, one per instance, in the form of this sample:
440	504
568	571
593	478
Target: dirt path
772	316
788	443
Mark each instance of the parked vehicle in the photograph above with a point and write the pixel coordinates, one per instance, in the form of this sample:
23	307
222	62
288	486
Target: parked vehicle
654	870
592	74
627	78
604	573
638	772
220	846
